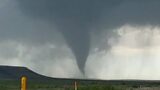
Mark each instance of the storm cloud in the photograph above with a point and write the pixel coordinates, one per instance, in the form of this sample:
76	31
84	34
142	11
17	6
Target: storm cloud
102	36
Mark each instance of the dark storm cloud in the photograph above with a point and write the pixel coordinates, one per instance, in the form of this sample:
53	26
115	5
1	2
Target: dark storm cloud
15	26
139	12
43	21
73	18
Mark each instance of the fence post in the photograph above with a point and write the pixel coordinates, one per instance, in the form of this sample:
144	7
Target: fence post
75	85
23	83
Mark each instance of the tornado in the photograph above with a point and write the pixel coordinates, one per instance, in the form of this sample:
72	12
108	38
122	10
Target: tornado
73	18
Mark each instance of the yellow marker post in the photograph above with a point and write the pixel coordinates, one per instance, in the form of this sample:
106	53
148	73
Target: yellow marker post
24	83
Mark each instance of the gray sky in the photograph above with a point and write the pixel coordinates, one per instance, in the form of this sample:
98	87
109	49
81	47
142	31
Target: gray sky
63	38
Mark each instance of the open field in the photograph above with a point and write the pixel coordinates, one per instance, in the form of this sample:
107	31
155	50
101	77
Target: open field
68	84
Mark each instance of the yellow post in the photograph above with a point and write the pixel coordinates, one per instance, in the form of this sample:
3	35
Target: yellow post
24	83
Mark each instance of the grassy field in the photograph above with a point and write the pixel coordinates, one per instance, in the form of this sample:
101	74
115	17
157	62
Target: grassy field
82	85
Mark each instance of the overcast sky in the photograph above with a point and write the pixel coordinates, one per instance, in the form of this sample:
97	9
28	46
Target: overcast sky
102	39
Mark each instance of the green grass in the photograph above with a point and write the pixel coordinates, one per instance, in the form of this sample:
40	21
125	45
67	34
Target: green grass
69	85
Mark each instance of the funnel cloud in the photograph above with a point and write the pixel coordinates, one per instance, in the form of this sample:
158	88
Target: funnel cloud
73	19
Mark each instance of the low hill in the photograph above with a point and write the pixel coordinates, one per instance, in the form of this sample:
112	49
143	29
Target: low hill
14	72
